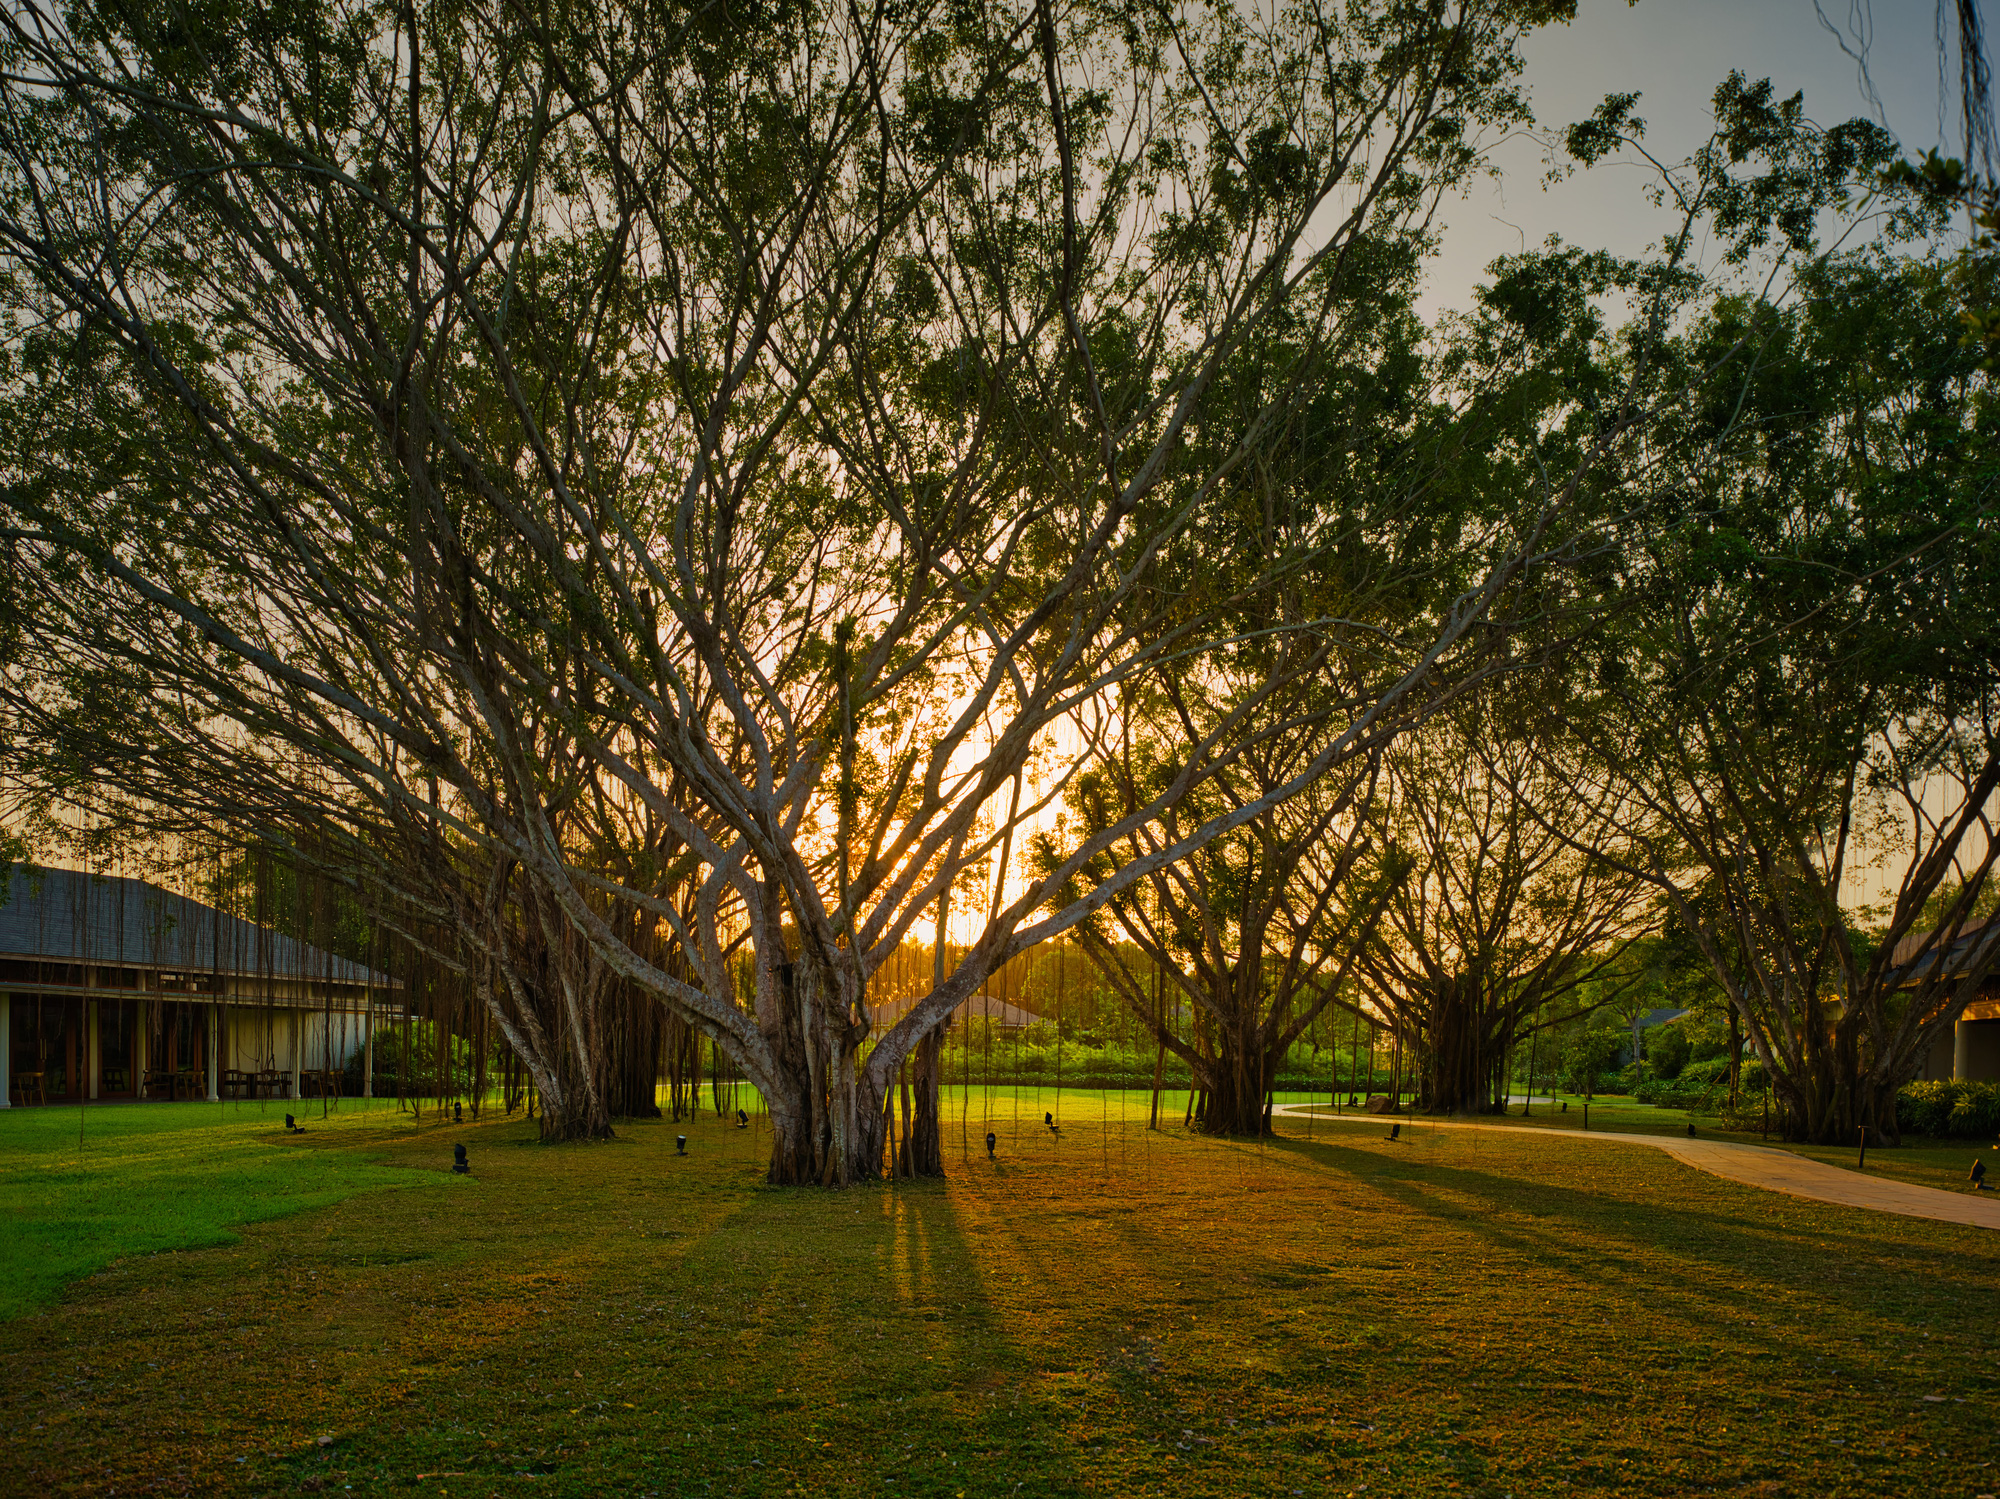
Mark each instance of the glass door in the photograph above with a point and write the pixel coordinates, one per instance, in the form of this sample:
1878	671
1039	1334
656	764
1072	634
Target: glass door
48	1048
117	1047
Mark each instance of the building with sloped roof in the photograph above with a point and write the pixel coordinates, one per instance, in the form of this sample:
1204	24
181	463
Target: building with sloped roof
112	988
1004	1017
1971	1053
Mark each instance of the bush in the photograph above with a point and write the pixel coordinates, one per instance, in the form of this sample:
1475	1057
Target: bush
1950	1110
1679	1093
1667	1051
1705	1073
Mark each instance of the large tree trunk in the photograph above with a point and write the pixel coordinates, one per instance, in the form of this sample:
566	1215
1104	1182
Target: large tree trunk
923	1151
1233	1100
1463	1059
828	1127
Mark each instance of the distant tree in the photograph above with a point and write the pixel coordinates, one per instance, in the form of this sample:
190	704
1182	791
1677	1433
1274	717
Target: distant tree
1509	919
1800	689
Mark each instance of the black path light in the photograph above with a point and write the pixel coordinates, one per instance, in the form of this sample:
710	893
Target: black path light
1978	1176
680	1144
293	1127
458	1113
1395	1131
742	1120
459	1165
1050	1120
991	1140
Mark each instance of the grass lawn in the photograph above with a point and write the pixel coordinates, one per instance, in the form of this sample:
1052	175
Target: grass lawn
1104	1311
81	1187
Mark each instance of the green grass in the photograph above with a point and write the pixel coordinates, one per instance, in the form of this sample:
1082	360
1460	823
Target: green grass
1106	1310
80	1188
1943	1164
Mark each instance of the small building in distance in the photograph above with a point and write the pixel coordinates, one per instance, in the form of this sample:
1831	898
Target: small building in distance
112	988
1005	1018
1971	1053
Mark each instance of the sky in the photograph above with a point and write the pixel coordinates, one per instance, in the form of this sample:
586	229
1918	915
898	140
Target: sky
1673	53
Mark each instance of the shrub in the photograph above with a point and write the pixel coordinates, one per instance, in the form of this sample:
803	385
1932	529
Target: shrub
1951	1110
1708	1071
1667	1050
1679	1093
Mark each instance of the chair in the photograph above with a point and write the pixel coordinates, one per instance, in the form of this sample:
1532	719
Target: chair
115	1080
29	1084
157	1078
191	1084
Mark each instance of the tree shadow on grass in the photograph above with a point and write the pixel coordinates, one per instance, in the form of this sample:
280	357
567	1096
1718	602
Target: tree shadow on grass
1698	1259
859	1332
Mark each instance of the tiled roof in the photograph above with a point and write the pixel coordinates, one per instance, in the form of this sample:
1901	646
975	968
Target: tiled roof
1973	944
61	915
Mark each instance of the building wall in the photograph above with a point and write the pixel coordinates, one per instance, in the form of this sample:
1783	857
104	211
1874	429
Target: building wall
259	1036
1978	1051
252	1038
1937	1063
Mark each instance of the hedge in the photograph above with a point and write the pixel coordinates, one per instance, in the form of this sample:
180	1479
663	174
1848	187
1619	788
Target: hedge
1950	1110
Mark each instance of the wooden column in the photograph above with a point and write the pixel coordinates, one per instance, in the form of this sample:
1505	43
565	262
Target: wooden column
368	1050
6	1051
91	1058
215	1052
298	1052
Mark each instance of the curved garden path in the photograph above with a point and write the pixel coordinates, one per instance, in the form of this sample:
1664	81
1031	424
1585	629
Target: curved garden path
1773	1170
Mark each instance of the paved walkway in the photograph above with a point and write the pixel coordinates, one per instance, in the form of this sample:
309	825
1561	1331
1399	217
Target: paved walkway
1760	1166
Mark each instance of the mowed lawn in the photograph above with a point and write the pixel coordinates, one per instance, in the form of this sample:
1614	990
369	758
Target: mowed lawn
1920	1161
1103	1311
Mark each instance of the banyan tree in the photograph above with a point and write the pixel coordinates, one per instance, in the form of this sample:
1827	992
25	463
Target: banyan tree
641	495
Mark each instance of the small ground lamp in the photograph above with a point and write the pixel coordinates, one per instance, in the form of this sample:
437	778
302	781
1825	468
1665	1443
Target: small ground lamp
1978	1176
991	1140
293	1127
680	1144
1050	1120
458	1113
742	1120
459	1165
1395	1131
